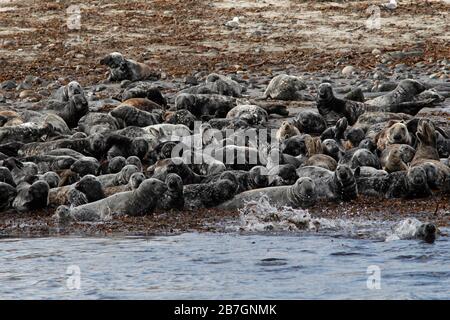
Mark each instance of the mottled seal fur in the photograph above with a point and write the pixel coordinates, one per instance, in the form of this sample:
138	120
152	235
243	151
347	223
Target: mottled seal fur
144	90
26	132
132	116
310	122
252	114
207	195
285	87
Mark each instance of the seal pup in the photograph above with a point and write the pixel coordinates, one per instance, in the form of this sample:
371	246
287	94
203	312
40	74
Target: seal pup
299	195
89	185
393	133
391	160
121	68
286	130
138	202
338	185
207	195
252	114
7	195
310	122
285	87
173	198
333	108
205	106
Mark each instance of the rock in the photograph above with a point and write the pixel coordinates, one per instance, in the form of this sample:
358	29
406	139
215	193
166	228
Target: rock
9	85
348	70
434	76
24	86
26	94
125	83
2	99
376	52
233	24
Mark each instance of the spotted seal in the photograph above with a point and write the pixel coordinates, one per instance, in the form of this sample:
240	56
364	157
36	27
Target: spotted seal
252	114
121	68
299	195
207	195
310	122
182	116
26	132
138	202
98	123
285	87
337	185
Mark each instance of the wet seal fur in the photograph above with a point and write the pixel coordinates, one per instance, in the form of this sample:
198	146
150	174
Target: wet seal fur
299	195
138	202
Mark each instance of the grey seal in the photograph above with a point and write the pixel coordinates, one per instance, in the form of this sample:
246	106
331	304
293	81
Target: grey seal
173	198
310	122
138	202
337	185
252	114
31	196
205	106
299	195
285	87
207	195
121	68
132	116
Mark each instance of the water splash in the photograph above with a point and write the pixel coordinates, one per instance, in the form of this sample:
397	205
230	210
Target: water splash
262	216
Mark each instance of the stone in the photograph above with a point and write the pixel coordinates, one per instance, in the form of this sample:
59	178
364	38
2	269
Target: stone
348	70
8	85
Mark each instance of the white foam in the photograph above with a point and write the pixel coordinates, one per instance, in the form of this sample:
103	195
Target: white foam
261	216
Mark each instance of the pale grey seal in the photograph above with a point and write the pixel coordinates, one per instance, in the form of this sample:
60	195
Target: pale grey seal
252	114
285	87
138	202
299	195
